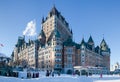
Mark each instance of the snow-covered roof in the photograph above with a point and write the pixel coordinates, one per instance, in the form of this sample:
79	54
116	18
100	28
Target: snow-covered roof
2	55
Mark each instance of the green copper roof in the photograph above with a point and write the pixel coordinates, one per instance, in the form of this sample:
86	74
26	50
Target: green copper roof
56	33
90	40
83	41
104	46
42	33
69	42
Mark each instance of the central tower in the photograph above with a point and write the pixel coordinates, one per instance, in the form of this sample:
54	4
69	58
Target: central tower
55	21
55	31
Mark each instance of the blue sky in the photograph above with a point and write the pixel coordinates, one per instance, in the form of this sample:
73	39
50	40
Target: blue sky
97	18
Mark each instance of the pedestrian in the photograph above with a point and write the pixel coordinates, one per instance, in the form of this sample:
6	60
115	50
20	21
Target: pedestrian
53	74
58	73
101	75
47	73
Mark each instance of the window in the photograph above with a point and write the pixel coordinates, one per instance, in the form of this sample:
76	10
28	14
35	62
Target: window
56	65
69	55
82	55
57	60
70	61
83	61
69	65
57	43
57	54
69	50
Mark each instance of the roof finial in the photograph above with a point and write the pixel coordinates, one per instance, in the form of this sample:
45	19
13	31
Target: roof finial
90	34
103	36
83	36
54	5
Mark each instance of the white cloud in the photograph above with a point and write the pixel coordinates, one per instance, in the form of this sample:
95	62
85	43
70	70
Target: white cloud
30	29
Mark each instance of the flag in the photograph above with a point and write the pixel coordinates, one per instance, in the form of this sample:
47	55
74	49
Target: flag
2	45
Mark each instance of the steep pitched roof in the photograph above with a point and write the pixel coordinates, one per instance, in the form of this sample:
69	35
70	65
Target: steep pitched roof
54	11
43	20
42	33
90	40
104	46
103	43
83	41
55	33
97	49
69	42
21	41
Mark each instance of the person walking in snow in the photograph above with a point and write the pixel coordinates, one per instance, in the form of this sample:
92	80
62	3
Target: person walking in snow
58	73
101	75
53	74
47	73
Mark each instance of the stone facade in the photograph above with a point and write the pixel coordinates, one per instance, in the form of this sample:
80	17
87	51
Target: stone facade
55	50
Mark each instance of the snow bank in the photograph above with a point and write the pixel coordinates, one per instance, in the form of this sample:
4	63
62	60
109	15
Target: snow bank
63	78
47	79
22	75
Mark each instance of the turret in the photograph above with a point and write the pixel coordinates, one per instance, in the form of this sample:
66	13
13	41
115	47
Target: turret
83	44
105	52
104	47
90	41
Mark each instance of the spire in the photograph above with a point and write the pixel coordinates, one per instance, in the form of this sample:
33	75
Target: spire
90	40
43	19
103	45
82	42
54	11
71	31
103	42
53	5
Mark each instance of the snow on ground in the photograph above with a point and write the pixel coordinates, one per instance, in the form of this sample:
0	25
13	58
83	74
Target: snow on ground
106	78
64	78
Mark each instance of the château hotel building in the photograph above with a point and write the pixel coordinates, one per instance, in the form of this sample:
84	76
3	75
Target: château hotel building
54	49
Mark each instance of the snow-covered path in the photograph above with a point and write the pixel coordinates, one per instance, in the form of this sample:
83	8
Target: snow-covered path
63	78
